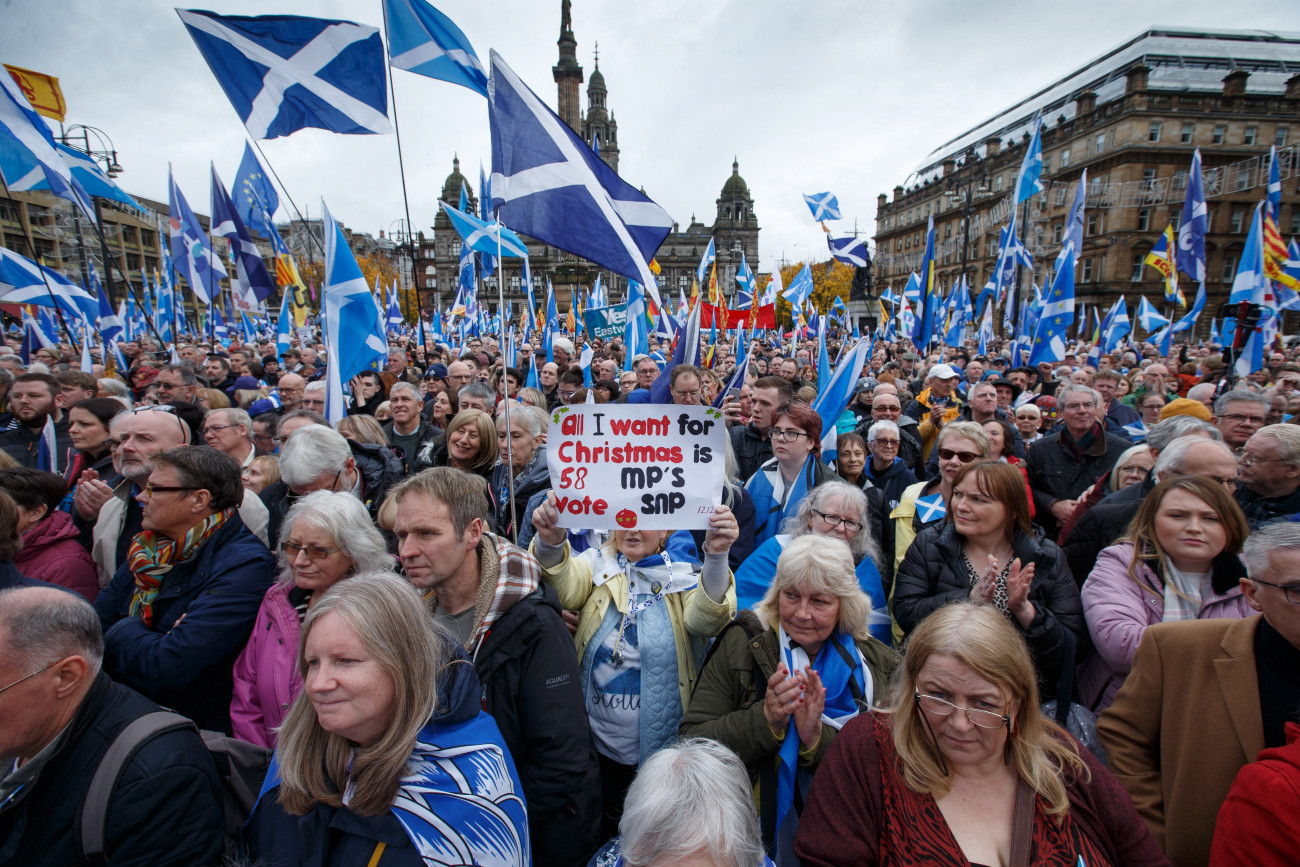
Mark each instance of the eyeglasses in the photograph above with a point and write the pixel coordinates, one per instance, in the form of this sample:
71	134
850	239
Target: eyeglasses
213	428
1249	460
688	395
150	489
881	441
1238	418
30	676
1292	593
836	521
157	407
313	552
294	496
788	435
568	394
964	457
985	719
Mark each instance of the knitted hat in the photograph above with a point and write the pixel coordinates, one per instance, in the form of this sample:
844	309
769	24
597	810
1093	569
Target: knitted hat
1183	406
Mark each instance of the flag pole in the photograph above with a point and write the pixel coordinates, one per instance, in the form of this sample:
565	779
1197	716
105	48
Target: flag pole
401	169
505	401
31	244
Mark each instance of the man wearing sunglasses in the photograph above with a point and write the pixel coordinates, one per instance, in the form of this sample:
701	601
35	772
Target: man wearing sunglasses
182	604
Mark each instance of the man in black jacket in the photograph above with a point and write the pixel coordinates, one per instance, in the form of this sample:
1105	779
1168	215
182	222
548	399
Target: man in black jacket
1065	464
1270	475
59	716
488	594
752	442
34	398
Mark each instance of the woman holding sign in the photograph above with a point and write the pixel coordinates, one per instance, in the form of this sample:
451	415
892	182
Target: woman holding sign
779	486
645	617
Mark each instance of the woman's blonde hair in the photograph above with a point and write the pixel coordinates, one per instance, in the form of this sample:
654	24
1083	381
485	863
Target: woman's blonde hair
823	565
982	639
387	615
967	430
216	398
364	429
487	435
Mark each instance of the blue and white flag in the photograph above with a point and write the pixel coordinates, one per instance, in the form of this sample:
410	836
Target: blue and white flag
1029	180
192	254
395	321
710	254
833	396
745	277
47	450
1190	258
250	268
824	206
687	351
1189	320
849	250
424	41
484	237
530	303
17	162
1137	431
1115	326
283	73
108	322
1058	312
1149	318
255	198
26	128
986	329
1074	223
1273	198
636	336
548	184
1249	284
353	339
284	326
800	288
930	509
23	281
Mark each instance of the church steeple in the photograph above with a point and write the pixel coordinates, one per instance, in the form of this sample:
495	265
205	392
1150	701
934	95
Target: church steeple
567	72
599	129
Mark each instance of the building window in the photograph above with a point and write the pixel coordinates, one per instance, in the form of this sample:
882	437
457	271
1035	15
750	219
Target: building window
1238	220
1087	270
1065	158
1094	224
1057	232
1188	129
1144	219
1047	164
1135	275
1148	175
1279	138
1220	131
1252	132
1295	221
1153	131
1229	267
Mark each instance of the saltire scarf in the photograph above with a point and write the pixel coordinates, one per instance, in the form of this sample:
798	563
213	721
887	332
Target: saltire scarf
152	556
838	677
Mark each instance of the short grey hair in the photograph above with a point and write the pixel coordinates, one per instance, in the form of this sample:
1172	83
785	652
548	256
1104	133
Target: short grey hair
1063	394
1178	426
662	817
111	387
477	389
885	425
1174	457
564	345
1201	392
529	417
44	624
318	385
800	523
1238	395
345	519
403	385
1287	437
312	452
1270	537
235	415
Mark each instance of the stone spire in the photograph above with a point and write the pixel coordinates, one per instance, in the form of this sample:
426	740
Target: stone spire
567	72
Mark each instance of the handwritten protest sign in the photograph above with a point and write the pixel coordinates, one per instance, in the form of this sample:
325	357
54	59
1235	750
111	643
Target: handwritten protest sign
652	467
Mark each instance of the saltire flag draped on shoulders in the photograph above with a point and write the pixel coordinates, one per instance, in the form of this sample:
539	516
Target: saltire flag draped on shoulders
824	206
1193	224
424	41
20	123
353	339
1029	180
283	73
255	197
548	184
191	248
226	222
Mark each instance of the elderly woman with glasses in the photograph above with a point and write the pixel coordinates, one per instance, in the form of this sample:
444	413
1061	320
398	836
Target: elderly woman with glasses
326	538
836	510
987	550
963	768
783	678
795	468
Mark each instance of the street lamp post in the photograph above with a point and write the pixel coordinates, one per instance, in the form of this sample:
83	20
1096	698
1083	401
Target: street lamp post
967	186
104	152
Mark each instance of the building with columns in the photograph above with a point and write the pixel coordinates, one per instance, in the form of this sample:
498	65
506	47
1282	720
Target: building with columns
1132	119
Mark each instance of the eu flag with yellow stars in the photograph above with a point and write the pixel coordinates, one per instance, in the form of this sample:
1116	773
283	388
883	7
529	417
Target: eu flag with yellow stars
255	198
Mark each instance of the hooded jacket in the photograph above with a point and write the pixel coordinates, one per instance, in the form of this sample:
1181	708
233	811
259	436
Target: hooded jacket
266	677
536	477
1259	821
51	552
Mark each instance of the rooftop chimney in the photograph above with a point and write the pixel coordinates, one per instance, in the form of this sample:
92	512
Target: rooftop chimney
1293	87
1234	83
1085	102
1137	78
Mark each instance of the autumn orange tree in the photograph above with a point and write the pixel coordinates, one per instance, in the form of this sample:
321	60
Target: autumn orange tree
830	279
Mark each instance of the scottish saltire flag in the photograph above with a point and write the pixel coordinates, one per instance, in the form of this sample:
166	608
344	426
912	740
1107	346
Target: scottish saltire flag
823	360
283	73
800	288
824	206
395	320
636	336
87	363
47	451
484	237
1010	251
1250	283
353	339
888	296
687	351
220	332
164	310
745	277
959	313
17	162
548	184
986	329
710	254
1161	258
1273	198
34	338
773	289
283	327
1029	180
1149	318
924	306
1074	223
912	288
849	250
531	302
739	374
226	222
1115	325
930	509
1193	224
1189	320
906	318
108	322
23	281
191	249
255	198
1009	313
833	395
1137	431
424	41
1058	312
20	123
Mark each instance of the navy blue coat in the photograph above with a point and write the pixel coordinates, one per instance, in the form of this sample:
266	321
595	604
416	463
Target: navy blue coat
188	667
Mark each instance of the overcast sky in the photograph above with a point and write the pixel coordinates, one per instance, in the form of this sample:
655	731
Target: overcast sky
840	95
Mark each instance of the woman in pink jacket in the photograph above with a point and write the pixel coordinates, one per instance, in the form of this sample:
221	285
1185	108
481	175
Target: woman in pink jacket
50	549
1177	561
326	537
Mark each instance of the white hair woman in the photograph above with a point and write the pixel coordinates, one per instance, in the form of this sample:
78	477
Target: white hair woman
325	538
663	822
386	748
646	613
837	510
521	447
785	677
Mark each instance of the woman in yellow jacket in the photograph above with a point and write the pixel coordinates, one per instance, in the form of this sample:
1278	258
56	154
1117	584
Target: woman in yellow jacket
645	617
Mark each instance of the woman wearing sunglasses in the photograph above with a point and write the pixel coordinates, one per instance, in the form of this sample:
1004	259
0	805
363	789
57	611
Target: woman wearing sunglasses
326	538
987	550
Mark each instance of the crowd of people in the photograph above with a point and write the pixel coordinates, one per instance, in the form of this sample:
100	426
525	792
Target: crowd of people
1022	615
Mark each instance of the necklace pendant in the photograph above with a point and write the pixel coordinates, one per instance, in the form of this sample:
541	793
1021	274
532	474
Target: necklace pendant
616	659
